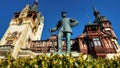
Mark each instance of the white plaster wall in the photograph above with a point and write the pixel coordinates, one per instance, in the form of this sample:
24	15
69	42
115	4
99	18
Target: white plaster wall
40	28
39	32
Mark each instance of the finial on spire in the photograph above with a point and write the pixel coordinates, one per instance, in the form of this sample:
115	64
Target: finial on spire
35	6
96	12
36	0
94	9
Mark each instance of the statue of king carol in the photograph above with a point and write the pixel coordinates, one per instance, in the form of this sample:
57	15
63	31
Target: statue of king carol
64	27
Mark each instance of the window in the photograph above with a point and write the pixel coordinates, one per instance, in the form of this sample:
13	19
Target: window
91	44
114	45
9	42
93	29
84	44
22	15
14	34
38	45
29	15
108	32
105	24
38	23
20	22
16	15
97	42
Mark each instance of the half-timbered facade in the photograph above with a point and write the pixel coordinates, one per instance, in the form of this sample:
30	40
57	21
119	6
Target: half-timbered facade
98	38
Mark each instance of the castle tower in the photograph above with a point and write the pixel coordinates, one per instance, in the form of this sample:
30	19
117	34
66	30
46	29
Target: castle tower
109	38
98	38
25	26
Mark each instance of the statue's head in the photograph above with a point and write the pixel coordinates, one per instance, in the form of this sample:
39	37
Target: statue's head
63	14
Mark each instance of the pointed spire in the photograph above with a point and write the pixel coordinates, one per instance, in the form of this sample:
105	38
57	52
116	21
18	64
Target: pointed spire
35	6
96	12
94	9
36	0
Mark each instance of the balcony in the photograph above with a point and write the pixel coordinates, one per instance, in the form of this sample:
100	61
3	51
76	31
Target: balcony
6	47
5	50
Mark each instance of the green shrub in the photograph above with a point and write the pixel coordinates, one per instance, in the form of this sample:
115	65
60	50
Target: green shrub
57	61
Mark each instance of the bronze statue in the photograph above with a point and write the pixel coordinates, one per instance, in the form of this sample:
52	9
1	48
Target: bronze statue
65	30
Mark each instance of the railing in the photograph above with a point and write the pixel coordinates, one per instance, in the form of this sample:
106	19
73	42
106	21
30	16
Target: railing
6	47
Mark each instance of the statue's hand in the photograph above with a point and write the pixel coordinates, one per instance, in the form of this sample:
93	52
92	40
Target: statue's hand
51	30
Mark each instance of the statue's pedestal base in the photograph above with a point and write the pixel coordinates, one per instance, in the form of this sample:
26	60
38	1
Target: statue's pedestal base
61	53
74	54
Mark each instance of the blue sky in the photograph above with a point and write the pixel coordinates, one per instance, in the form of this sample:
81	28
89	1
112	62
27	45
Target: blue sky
51	9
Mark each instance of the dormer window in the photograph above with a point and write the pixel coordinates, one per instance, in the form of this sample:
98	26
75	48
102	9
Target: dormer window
109	32
16	15
29	15
105	24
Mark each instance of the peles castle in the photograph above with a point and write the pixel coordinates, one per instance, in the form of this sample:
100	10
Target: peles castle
23	37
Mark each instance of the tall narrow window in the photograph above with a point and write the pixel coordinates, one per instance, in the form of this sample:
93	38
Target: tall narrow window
20	22
93	29
115	46
91	44
97	42
109	32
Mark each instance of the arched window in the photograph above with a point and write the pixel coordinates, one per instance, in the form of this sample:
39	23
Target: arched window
9	42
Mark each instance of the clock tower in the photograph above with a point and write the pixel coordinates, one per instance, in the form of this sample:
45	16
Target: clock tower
25	26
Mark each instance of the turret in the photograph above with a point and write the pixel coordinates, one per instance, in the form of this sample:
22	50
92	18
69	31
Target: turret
25	25
35	6
96	12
